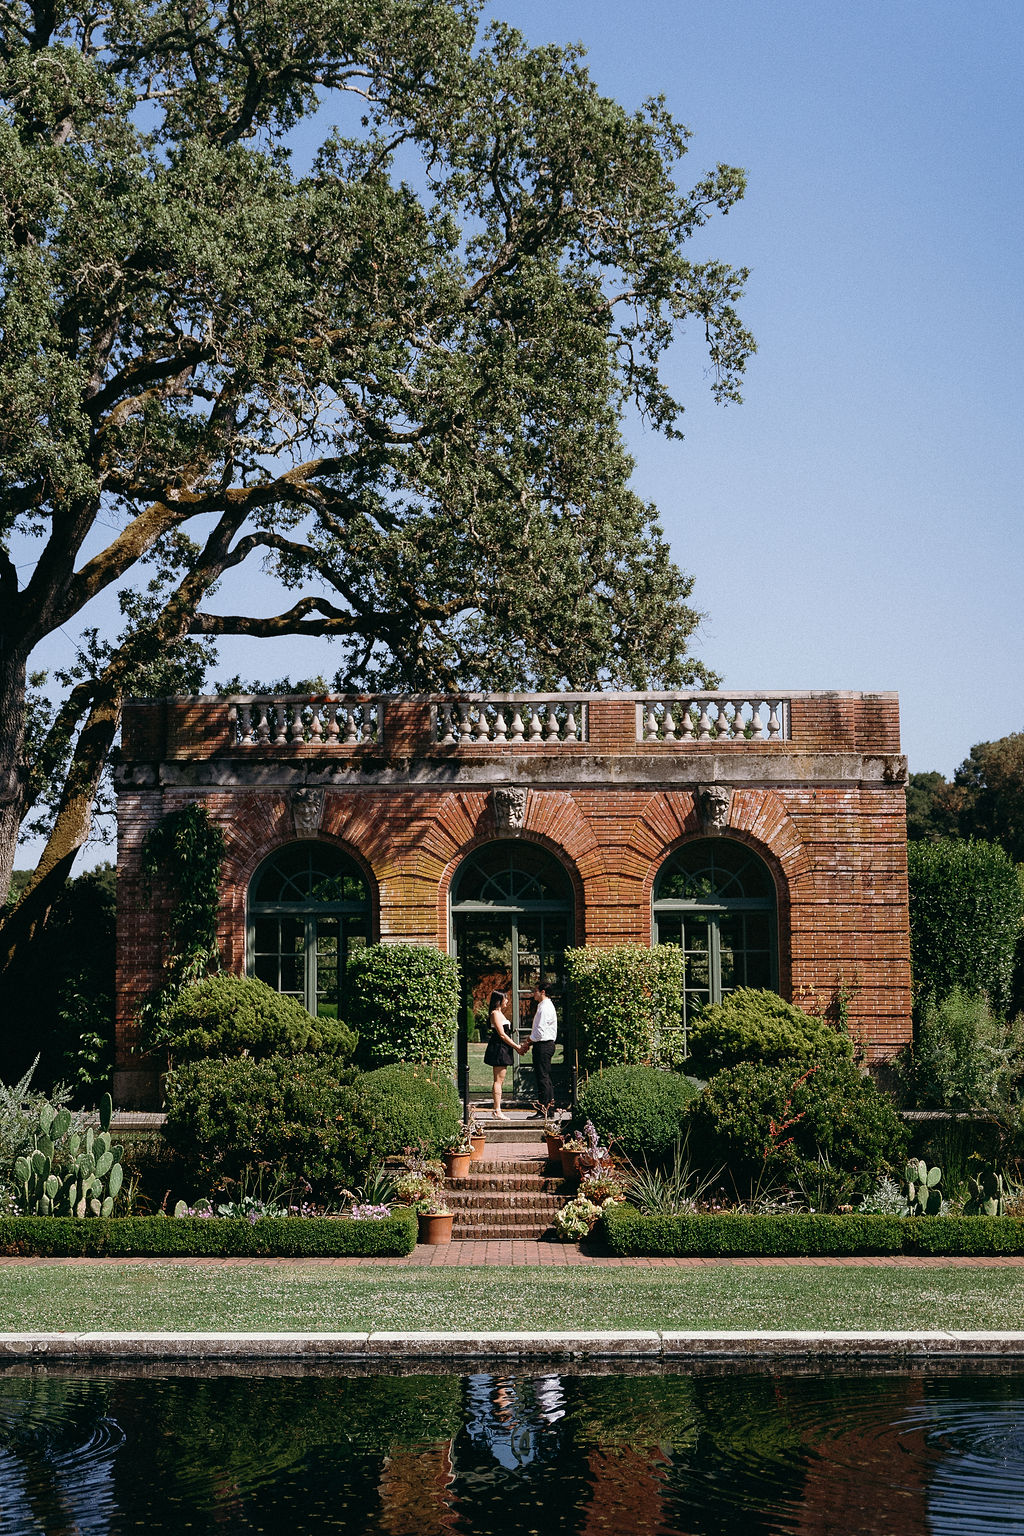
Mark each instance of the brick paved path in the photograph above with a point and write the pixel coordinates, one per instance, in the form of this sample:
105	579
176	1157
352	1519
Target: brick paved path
457	1255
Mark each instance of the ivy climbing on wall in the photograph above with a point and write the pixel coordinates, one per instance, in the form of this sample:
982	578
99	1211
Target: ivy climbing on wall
185	852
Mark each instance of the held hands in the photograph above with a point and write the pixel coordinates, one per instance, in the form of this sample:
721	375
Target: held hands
522	1049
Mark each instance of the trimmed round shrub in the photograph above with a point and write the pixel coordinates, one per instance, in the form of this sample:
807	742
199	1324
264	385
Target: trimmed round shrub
965	919
225	1016
403	1002
639	1110
274	1121
760	1026
826	1128
627	1002
396	1107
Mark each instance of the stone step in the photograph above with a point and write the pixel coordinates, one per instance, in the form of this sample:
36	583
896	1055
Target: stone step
542	1167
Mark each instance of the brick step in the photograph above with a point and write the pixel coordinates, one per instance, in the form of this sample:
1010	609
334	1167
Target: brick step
518	1219
510	1182
466	1233
487	1206
541	1166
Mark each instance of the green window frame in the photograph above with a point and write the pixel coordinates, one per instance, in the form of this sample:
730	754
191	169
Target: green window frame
716	899
308	908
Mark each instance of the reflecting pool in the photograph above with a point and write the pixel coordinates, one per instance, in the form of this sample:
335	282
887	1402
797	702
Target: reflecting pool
521	1452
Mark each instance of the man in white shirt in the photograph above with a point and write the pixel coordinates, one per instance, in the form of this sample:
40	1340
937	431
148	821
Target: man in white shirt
542	1037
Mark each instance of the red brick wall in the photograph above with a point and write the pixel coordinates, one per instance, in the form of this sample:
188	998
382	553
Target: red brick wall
837	854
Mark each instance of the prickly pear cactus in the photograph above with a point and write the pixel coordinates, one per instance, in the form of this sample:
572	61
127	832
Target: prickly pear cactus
63	1174
921	1188
986	1193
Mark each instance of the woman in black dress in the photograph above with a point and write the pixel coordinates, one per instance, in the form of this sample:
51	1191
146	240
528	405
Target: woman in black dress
500	1048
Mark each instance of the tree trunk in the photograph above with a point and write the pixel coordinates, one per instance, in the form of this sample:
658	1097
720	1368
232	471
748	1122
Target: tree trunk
70	830
13	669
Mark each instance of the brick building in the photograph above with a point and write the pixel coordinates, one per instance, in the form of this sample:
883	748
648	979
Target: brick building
766	835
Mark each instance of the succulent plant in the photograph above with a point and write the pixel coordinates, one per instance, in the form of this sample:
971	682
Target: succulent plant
985	1193
60	1175
921	1188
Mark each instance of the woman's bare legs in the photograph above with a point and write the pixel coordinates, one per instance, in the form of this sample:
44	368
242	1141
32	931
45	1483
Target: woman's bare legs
499	1083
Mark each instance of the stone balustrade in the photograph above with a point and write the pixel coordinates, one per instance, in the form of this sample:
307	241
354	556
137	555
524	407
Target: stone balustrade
530	719
290	719
712	716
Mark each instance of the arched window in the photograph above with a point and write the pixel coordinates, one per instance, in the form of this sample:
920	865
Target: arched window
309	907
716	900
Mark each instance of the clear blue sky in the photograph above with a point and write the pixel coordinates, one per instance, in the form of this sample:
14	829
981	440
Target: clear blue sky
857	522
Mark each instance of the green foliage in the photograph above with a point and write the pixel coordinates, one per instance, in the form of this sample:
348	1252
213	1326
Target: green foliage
232	1120
290	1237
63	1172
402	1000
921	1190
627	1002
224	1016
61	991
965	919
186	851
990	785
629	1234
639	1111
396	1107
986	1193
964	1056
931	808
786	1124
760	1026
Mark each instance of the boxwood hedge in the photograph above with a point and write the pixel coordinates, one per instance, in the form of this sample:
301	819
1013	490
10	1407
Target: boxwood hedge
291	1237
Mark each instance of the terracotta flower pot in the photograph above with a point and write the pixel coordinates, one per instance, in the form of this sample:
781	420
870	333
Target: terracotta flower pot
435	1229
457	1164
479	1142
570	1163
554	1142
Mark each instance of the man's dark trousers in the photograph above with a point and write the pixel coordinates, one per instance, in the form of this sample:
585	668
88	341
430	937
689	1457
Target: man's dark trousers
543	1050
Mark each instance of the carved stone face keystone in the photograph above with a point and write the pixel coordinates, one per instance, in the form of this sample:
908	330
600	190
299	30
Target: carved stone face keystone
895	770
713	802
509	803
307	809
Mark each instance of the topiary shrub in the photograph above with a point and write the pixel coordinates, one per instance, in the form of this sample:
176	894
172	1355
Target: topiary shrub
826	1128
641	1111
965	919
403	1002
246	1119
760	1026
627	1002
396	1107
224	1016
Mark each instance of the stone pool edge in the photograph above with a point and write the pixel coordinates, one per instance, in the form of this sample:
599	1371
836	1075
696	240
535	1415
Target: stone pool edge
707	1344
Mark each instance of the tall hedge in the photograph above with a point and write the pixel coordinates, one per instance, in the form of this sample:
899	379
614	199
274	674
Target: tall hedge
627	1002
403	1002
756	1025
965	918
224	1016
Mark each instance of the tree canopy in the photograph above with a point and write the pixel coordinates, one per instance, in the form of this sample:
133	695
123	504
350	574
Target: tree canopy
985	799
392	368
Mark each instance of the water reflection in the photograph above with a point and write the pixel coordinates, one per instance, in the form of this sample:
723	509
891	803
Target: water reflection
524	1453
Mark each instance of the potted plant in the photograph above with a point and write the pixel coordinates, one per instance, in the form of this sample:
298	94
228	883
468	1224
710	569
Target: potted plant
570	1152
552	1129
434	1220
459	1152
592	1154
476	1137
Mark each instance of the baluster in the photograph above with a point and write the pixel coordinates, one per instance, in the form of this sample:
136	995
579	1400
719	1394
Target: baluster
483	725
351	725
333	728
298	727
774	723
651	724
500	728
536	729
686	724
446	724
571	728
704	723
517	724
554	734
316	730
756	723
465	728
668	724
739	725
262	723
245	724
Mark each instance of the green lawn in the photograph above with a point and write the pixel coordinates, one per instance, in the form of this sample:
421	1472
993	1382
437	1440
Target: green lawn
315	1298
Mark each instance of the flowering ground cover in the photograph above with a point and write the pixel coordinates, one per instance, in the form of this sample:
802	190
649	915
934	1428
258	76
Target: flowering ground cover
312	1297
